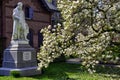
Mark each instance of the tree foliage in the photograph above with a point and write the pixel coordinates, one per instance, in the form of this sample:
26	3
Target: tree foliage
87	30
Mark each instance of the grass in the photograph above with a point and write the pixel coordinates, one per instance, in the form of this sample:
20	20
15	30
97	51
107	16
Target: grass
64	71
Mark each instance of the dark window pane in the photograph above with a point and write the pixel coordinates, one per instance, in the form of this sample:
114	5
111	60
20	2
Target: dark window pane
40	39
30	37
28	12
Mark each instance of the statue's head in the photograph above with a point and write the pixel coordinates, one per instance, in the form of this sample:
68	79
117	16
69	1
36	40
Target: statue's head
20	4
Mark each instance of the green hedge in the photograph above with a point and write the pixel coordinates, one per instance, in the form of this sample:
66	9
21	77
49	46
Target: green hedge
15	73
115	48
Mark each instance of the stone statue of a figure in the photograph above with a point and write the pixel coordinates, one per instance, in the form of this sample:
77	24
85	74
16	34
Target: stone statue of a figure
20	27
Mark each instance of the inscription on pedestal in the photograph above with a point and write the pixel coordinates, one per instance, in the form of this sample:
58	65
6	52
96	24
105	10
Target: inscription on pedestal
26	56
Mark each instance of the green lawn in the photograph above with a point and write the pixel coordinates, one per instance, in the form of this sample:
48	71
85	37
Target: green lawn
64	71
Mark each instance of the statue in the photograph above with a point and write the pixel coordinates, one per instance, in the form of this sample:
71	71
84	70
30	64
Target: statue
20	27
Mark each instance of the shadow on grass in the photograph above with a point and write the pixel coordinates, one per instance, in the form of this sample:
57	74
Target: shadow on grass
61	71
58	71
109	71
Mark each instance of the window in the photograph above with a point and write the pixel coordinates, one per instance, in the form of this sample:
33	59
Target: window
40	39
28	12
30	37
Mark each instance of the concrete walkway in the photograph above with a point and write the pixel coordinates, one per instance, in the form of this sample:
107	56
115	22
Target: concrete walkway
78	61
73	60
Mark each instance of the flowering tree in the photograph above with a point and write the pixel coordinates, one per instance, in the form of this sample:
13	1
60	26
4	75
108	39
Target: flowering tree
87	31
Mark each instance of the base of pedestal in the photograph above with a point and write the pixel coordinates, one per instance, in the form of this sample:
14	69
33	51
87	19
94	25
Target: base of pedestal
19	56
29	71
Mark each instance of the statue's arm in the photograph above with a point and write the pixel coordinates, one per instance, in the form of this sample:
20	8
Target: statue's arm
15	15
23	15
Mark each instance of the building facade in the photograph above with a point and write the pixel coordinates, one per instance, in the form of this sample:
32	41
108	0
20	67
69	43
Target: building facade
38	14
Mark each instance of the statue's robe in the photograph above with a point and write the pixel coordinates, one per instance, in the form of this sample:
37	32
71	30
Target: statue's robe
20	27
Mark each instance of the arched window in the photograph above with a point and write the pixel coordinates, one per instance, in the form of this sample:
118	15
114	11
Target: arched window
28	12
30	37
40	39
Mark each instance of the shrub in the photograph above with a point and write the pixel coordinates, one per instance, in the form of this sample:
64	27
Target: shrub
111	54
15	73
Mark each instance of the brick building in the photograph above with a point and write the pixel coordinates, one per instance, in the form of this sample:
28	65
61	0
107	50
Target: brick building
38	15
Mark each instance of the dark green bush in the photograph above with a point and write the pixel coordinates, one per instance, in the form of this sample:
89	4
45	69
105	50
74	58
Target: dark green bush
60	58
15	73
115	48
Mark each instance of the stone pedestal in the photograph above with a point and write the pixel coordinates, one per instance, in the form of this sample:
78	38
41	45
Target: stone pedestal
19	56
